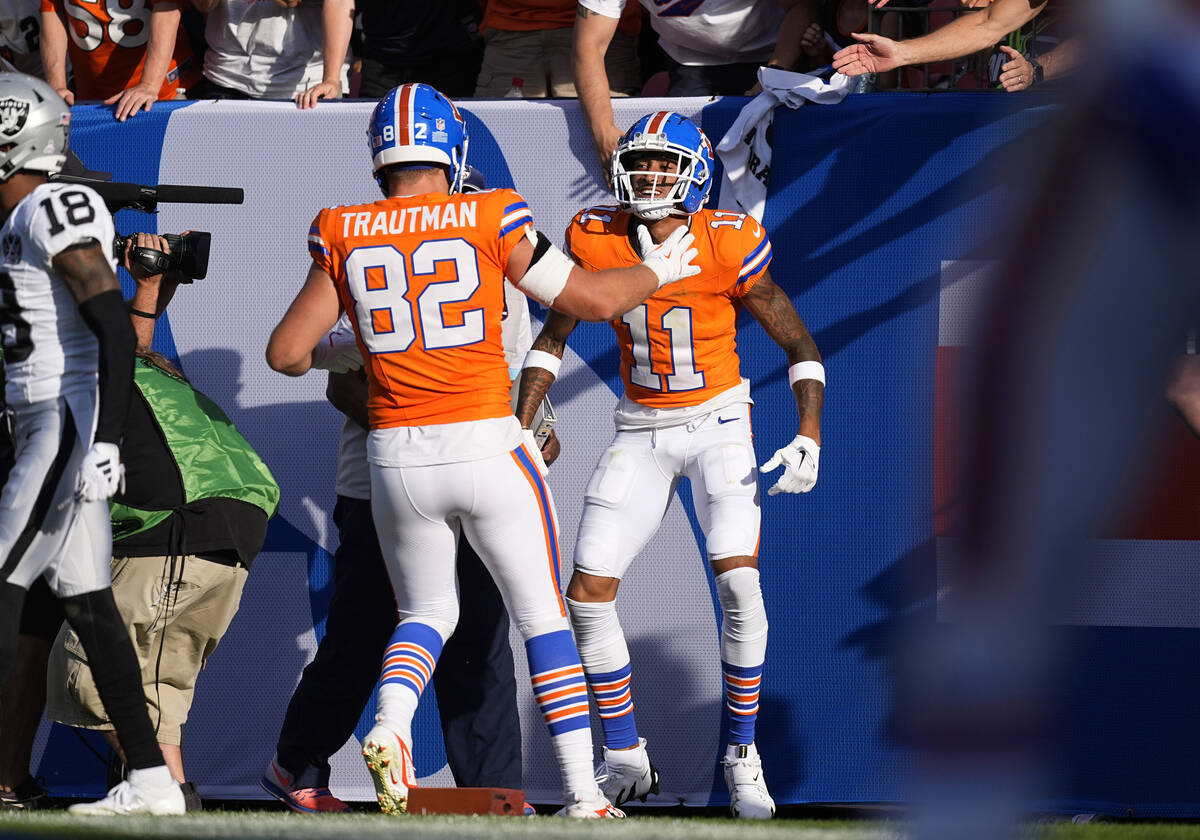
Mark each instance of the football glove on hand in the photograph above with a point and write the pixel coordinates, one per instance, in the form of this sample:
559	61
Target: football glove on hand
101	474
799	461
337	352
671	259
535	451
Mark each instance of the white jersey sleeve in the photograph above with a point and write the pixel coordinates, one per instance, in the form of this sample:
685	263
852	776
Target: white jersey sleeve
516	331
63	215
49	351
607	8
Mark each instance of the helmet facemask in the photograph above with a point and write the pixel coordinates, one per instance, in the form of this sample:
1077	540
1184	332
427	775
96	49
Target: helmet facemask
647	189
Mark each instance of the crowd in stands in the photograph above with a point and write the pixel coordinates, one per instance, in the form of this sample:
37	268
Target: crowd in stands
130	55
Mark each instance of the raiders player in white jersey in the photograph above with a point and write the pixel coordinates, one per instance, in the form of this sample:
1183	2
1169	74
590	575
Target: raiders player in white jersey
68	357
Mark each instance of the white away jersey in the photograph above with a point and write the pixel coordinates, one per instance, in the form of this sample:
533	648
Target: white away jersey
48	349
707	32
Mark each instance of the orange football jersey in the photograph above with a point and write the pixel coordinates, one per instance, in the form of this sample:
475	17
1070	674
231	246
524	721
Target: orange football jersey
107	42
423	280
679	347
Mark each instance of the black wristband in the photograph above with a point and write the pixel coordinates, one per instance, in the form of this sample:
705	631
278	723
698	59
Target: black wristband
142	314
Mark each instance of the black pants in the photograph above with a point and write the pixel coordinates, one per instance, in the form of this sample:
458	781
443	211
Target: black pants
474	680
714	80
453	75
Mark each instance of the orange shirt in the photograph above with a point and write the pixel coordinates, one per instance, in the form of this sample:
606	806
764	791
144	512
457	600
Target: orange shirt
107	39
423	280
529	15
679	347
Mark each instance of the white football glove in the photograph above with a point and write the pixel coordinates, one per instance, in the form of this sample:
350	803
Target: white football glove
101	474
799	461
671	259
338	351
535	451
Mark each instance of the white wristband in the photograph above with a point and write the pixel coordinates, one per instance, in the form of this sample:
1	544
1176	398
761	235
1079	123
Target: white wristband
545	361
806	370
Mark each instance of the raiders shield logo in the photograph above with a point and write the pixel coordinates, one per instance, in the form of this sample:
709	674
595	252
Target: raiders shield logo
13	113
10	247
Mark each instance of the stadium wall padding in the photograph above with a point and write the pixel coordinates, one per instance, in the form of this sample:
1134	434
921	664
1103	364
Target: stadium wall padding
878	209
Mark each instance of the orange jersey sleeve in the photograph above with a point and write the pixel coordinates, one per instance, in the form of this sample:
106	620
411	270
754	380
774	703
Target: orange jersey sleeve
107	41
678	347
423	280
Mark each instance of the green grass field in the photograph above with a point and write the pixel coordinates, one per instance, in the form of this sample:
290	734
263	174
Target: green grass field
255	824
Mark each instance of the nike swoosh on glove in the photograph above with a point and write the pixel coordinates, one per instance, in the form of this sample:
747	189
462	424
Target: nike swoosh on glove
337	352
799	461
101	474
671	259
535	451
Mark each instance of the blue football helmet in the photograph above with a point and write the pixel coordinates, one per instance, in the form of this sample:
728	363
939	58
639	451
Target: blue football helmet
415	124
664	132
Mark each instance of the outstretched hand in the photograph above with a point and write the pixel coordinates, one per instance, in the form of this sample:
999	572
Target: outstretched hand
875	54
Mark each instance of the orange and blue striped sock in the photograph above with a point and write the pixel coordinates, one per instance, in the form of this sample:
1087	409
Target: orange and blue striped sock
408	664
741	700
614	702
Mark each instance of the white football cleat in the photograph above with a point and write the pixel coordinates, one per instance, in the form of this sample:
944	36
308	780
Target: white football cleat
390	761
748	797
627	774
594	807
126	799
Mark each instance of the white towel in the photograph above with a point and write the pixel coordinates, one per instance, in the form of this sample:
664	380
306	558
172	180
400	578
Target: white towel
745	150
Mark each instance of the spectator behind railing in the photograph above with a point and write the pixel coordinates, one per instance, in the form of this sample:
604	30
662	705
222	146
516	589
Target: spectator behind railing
836	21
20	34
528	50
715	49
435	43
964	35
129	60
286	49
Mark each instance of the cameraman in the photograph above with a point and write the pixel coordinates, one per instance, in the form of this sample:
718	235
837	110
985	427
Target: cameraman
186	526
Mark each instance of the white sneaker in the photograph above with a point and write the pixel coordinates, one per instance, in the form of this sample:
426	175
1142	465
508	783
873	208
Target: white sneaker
126	799
390	761
594	807
748	797
627	774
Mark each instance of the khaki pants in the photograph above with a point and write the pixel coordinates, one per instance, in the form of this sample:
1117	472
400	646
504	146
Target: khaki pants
175	620
541	59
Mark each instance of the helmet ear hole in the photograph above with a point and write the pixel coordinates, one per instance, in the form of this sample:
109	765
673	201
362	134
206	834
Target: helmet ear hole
34	125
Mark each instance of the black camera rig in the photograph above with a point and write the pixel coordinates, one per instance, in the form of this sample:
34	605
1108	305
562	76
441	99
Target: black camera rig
189	252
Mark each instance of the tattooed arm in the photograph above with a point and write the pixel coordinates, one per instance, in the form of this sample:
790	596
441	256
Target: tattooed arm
779	319
536	381
593	33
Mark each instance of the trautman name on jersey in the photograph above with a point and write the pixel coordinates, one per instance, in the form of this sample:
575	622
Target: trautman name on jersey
409	219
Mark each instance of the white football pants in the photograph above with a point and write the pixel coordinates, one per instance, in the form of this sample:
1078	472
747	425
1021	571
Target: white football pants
629	492
44	529
505	508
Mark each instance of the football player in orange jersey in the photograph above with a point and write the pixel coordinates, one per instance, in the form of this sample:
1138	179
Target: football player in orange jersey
685	412
421	273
